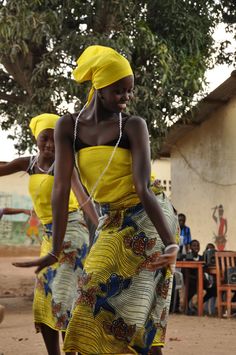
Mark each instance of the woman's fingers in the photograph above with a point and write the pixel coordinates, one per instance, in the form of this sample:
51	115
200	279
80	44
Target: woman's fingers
162	261
41	263
26	263
47	260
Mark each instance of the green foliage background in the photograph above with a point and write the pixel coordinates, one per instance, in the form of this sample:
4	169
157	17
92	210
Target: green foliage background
169	44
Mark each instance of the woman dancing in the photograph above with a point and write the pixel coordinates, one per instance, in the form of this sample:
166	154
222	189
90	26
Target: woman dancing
125	289
56	286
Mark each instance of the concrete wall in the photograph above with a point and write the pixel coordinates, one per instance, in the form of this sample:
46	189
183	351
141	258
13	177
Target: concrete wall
161	170
14	193
203	172
15	183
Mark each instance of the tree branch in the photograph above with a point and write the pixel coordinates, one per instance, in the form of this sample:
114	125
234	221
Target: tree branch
15	69
12	98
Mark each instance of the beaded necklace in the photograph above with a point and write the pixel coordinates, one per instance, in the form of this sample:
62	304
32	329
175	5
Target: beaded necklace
34	161
49	170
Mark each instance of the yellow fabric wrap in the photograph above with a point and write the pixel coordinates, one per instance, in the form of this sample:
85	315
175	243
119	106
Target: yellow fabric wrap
102	66
119	299
40	189
116	186
42	122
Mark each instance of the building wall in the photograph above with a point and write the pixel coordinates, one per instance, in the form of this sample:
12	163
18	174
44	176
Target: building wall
161	170
203	172
15	183
14	194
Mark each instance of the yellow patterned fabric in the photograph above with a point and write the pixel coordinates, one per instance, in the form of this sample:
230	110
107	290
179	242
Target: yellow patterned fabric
42	122
117	185
40	189
122	307
102	66
56	285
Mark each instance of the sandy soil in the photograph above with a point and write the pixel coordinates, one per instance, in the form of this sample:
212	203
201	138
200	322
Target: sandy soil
186	335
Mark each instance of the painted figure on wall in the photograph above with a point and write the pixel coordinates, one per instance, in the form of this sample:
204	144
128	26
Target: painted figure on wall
32	230
222	227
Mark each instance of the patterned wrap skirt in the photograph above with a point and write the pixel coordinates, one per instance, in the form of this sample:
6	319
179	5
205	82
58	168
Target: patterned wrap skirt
122	307
56	287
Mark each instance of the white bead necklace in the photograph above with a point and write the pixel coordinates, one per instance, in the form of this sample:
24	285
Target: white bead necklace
49	170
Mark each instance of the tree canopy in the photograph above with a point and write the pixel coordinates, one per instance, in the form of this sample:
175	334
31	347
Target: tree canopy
168	42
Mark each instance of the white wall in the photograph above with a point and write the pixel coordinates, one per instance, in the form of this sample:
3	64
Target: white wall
15	183
203	172
161	170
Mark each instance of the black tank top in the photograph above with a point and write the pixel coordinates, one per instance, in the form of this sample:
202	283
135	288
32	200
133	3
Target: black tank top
124	142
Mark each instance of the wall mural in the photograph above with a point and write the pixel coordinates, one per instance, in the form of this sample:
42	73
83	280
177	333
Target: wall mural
18	229
220	237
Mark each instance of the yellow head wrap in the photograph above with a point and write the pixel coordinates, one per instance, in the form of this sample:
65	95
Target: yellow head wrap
43	121
103	66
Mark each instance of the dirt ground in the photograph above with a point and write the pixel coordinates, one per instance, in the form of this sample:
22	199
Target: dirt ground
186	335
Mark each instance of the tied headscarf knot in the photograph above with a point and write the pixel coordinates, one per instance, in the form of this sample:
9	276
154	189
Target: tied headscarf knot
102	66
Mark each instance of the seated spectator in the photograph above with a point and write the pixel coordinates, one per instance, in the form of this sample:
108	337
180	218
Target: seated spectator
211	292
208	281
209	246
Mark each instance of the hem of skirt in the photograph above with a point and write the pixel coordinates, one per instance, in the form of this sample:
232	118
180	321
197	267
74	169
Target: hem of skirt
76	349
158	345
37	326
116	353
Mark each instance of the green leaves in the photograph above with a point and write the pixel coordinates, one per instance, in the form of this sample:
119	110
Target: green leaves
168	42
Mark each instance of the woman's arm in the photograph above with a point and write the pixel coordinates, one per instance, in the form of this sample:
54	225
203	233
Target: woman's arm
15	211
83	199
137	132
16	165
64	165
139	141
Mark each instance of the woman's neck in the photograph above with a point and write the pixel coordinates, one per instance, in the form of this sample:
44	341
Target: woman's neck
95	111
45	162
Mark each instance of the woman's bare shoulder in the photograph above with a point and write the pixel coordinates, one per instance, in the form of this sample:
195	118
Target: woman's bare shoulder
66	123
135	121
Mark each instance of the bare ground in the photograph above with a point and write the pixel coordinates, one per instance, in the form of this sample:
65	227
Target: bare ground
186	335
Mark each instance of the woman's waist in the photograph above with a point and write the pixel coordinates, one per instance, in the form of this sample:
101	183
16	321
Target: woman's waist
130	204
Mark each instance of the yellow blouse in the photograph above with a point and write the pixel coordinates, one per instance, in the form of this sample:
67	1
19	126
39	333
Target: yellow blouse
40	189
116	186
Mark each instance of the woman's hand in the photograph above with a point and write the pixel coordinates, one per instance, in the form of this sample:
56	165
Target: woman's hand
41	263
158	261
